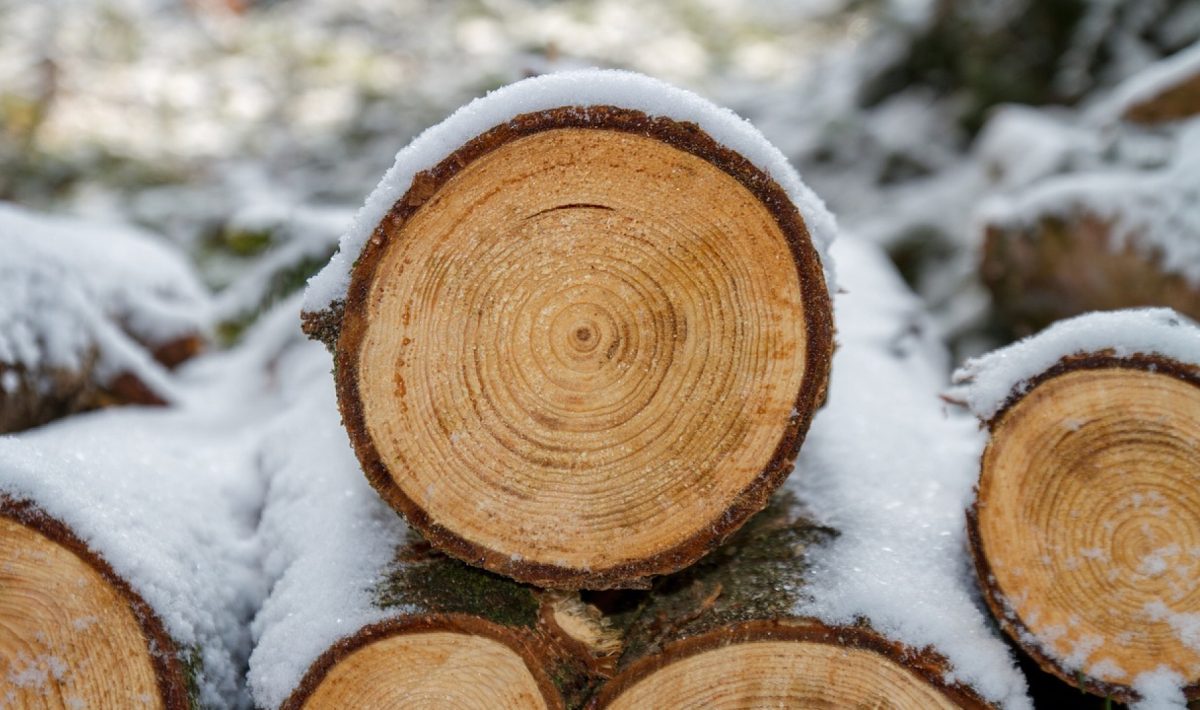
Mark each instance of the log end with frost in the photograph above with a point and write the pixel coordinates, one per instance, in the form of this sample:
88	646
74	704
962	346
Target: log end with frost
90	315
1168	90
580	328
1086	523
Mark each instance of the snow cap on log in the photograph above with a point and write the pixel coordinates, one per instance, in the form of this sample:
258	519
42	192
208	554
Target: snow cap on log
167	521
1167	90
987	384
578	88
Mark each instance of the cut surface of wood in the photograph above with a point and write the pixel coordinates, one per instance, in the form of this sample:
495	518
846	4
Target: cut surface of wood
782	674
430	670
580	357
68	637
1087	523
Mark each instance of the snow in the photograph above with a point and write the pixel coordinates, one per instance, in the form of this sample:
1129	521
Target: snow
1159	690
985	384
900	561
71	287
1155	80
581	88
329	539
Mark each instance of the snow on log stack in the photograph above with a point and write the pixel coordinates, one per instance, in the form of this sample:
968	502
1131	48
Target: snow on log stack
89	315
127	581
363	613
1114	236
580	328
1086	526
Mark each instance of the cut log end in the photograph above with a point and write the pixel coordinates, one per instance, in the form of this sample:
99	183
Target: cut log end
581	357
798	664
71	633
1087	522
427	662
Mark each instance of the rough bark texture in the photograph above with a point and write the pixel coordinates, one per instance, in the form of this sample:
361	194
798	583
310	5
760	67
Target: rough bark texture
746	591
1061	269
343	327
175	677
998	601
438	593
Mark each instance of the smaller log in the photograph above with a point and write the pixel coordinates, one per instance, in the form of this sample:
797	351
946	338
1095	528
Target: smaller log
725	632
1085	525
1168	90
126	574
75	633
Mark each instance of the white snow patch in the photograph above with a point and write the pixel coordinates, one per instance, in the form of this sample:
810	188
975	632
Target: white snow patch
68	287
578	88
1186	625
1160	689
328	538
889	468
986	383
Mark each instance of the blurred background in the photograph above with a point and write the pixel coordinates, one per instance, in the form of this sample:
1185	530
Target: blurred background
248	132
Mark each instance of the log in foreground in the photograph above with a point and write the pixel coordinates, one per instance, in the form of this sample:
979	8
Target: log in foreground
365	614
115	600
584	344
725	633
1086	524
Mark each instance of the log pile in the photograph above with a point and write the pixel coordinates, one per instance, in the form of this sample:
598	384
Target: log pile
580	333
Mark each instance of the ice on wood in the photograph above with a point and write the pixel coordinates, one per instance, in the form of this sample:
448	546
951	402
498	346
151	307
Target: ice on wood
582	88
893	472
985	384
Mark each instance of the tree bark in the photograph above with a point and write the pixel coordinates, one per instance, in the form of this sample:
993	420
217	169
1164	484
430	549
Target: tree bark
75	631
584	348
727	627
1084	525
1063	268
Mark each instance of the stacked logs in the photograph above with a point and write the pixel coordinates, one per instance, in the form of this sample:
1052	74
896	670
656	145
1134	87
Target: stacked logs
576	350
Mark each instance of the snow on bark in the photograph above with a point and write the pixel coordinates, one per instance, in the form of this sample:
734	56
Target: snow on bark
986	384
579	88
889	468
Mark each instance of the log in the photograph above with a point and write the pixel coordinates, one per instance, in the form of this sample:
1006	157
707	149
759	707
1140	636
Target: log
725	632
92	316
582	345
363	613
1084	527
1061	267
124	578
1166	91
